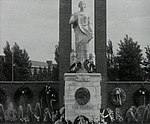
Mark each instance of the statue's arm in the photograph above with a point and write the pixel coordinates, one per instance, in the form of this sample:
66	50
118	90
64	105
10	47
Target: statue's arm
73	18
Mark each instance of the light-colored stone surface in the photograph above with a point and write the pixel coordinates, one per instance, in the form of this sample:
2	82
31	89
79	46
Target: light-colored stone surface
83	32
74	81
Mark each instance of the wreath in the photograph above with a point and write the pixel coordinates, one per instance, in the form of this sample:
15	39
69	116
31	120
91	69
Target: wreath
141	92
81	119
118	96
89	66
24	92
75	67
48	96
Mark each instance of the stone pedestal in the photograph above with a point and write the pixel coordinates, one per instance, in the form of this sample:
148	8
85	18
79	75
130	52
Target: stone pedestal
82	95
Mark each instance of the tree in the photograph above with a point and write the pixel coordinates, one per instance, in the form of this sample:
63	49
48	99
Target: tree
147	63
129	58
110	54
7	66
55	70
147	53
16	60
2	76
112	68
22	64
57	53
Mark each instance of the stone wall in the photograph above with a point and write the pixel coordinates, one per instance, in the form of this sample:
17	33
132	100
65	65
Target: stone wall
35	86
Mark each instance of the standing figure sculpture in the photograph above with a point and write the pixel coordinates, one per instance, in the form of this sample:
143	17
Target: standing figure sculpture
83	32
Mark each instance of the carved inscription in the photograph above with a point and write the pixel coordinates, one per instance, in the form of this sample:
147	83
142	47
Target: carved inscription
83	107
80	78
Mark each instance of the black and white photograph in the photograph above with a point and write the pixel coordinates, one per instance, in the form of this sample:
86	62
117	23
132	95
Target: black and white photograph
74	61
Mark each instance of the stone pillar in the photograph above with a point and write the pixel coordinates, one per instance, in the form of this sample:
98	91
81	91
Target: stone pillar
65	42
64	36
100	45
82	95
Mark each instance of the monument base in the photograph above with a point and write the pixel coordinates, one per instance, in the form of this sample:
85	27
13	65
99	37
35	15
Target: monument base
82	96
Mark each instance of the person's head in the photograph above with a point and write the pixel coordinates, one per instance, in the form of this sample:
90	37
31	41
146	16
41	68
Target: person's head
81	4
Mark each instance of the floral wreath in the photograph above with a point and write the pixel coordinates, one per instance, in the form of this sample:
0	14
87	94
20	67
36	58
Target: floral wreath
118	96
106	113
23	91
77	119
89	66
141	92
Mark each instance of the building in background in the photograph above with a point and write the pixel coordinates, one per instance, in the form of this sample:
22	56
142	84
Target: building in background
38	65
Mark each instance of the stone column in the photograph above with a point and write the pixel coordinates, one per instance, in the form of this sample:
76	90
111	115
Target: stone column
65	42
100	45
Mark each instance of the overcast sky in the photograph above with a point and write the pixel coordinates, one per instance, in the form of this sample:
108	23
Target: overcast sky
34	24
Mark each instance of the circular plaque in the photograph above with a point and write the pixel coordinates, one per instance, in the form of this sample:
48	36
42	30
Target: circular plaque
82	96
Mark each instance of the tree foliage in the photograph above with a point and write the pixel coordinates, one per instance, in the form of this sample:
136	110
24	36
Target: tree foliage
112	69
7	67
22	64
55	70
17	60
2	76
57	53
147	63
129	59
147	53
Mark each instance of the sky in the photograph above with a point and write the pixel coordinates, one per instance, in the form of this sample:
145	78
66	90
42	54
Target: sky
34	24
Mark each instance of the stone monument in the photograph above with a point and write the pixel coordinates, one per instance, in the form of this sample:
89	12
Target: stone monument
82	84
99	38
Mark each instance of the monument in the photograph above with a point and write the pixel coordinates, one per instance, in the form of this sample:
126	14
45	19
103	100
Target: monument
82	84
99	37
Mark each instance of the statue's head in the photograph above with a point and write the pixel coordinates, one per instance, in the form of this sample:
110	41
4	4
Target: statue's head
82	4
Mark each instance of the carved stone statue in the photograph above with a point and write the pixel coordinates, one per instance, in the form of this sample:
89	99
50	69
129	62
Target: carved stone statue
83	32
